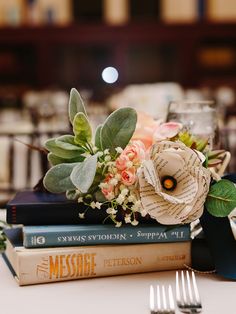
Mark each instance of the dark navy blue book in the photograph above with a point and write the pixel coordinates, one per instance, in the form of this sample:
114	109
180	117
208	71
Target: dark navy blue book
41	208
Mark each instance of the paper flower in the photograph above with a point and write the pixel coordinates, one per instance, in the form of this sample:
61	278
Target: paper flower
173	183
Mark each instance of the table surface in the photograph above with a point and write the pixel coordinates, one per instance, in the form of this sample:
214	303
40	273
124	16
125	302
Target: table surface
119	294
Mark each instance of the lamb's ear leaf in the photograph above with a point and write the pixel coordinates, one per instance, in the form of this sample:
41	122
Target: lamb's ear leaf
76	104
55	160
60	149
57	179
83	174
98	137
118	129
82	129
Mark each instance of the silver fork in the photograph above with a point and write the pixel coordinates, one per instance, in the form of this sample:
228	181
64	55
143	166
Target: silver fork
161	302
187	298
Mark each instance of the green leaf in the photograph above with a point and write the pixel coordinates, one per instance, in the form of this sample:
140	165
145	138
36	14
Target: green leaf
58	148
82	129
98	137
55	160
118	129
221	198
83	174
76	104
57	179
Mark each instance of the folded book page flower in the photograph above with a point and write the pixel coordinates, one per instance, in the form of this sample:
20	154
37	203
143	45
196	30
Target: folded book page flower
173	183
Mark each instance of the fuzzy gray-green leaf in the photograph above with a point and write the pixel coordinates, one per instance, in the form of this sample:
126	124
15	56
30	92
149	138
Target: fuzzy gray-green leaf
221	198
76	104
98	136
57	179
58	148
82	129
55	160
83	174
118	129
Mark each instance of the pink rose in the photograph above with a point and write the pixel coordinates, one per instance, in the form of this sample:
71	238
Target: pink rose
145	129
121	161
128	176
166	131
135	151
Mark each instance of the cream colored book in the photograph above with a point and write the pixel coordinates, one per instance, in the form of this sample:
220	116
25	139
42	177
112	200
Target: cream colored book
34	266
179	11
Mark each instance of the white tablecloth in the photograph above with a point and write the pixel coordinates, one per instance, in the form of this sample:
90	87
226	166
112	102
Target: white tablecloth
116	295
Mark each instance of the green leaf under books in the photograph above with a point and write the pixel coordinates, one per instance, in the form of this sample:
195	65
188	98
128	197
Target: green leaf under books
57	179
55	160
98	137
58	148
221	198
118	129
82	129
76	104
83	174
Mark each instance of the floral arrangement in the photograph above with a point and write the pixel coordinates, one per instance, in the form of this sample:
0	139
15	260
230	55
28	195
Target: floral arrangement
137	167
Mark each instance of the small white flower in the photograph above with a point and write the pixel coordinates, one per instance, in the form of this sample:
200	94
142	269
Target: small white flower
118	176
131	198
120	199
95	149
93	205
106	151
124	192
127	219
103	185
99	164
107	158
129	164
81	215
80	199
110	196
119	150
98	205
113	181
134	222
99	154
111	211
118	224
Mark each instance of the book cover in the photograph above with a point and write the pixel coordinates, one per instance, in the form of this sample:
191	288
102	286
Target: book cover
41	208
34	266
72	235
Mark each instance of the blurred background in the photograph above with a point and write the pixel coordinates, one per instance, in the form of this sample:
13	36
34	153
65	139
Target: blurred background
140	53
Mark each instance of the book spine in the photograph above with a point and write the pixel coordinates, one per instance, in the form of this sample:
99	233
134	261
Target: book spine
47	265
52	214
34	237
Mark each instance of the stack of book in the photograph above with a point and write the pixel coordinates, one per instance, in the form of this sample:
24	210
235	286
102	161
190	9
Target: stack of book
54	243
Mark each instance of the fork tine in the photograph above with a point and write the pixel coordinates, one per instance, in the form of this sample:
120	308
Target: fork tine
151	299
183	286
177	287
171	299
158	299
195	288
189	287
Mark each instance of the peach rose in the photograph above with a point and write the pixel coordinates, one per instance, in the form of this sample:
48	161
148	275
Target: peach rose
145	128
167	130
135	151
128	176
121	161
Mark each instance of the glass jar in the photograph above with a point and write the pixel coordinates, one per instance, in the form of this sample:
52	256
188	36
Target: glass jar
198	117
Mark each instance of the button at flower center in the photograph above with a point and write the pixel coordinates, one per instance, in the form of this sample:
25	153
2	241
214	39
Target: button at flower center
169	183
